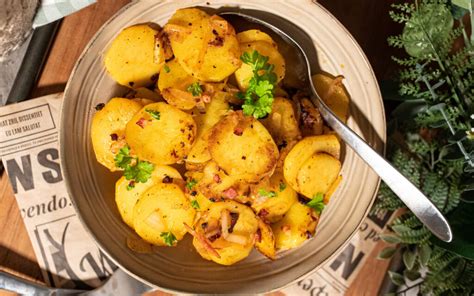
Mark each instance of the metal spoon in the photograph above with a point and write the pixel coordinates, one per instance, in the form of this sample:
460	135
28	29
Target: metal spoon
413	198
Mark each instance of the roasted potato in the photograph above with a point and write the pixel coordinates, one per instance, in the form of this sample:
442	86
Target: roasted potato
226	233
145	93
298	224
108	129
126	197
162	210
245	73
130	59
174	83
303	151
161	133
255	35
317	174
265	241
205	46
243	147
333	93
281	122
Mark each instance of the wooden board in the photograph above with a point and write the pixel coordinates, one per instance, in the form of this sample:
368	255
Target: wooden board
367	20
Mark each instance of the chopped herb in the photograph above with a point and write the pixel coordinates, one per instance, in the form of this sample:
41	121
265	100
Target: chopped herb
167	69
153	113
195	89
282	186
317	202
263	192
123	158
258	98
139	171
169	238
191	184
195	204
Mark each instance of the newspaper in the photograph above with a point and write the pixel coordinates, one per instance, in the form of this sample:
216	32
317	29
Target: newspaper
66	253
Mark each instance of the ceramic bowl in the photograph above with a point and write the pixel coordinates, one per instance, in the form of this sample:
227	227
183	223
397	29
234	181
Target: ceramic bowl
181	269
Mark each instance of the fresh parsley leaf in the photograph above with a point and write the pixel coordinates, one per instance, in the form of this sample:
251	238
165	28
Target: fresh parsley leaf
190	184
282	186
167	69
317	202
263	192
195	89
153	113
169	238
258	98
195	204
123	158
140	172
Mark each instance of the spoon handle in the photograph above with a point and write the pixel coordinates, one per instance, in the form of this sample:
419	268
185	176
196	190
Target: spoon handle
413	198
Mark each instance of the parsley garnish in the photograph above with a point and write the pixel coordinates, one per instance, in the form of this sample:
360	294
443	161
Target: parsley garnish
169	238
167	69
195	89
263	192
191	184
153	113
258	98
317	202
195	204
136	171
282	186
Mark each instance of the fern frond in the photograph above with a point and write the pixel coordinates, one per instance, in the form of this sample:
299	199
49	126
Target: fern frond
395	41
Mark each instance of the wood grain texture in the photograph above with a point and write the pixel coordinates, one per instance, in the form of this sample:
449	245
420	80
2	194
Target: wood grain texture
367	20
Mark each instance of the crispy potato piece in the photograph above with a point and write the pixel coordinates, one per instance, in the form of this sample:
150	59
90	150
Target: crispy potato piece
130	59
108	129
281	122
243	147
161	141
173	84
272	209
236	242
160	209
304	150
298	224
255	35
244	73
126	199
206	47
317	174
265	241
215	111
333	93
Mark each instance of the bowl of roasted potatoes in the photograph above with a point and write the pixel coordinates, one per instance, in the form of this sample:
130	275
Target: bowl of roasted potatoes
195	157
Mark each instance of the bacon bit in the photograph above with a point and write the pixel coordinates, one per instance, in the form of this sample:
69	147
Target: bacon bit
217	179
286	228
258	235
206	98
238	131
263	213
114	137
205	243
141	122
230	193
167	180
233	220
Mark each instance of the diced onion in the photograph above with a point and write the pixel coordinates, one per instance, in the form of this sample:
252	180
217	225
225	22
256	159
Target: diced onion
236	238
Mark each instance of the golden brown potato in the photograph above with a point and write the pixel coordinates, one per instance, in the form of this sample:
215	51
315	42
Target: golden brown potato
215	111
130	59
244	73
162	210
173	84
206	47
108	129
243	147
143	102
226	233
165	139
333	93
273	198
265	241
317	174
303	151
126	197
281	122
298	224
145	93
255	35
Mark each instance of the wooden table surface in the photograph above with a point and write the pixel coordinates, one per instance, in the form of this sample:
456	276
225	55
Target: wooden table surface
367	20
